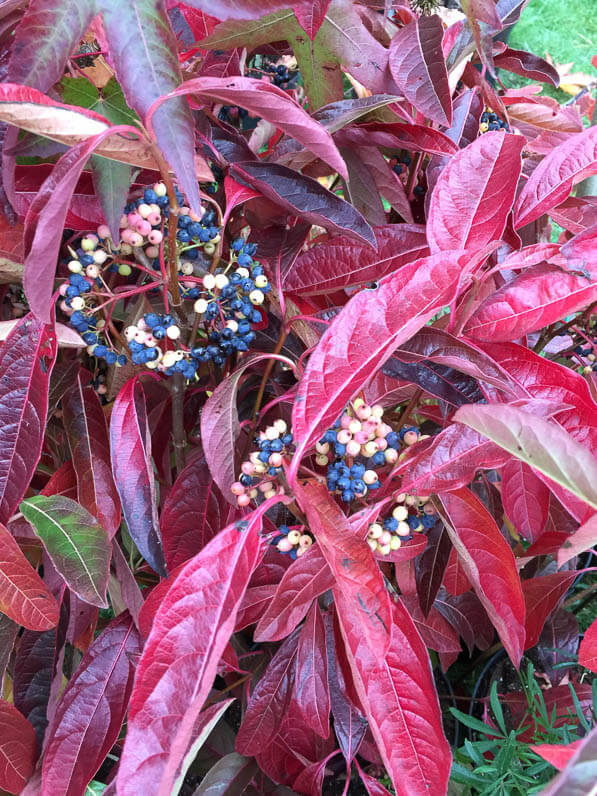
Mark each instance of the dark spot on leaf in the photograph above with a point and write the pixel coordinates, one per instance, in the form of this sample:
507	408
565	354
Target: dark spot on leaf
241	525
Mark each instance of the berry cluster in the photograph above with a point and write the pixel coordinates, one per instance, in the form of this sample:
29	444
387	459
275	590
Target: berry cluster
226	303
283	77
491	121
293	541
360	434
410	515
261	470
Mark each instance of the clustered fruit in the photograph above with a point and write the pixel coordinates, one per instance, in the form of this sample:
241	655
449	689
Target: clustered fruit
226	299
491	121
410	515
260	472
293	541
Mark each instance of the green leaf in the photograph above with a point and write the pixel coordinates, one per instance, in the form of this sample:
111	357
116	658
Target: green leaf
108	101
497	708
76	543
473	723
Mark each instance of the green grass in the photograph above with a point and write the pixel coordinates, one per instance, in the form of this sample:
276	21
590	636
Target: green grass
566	29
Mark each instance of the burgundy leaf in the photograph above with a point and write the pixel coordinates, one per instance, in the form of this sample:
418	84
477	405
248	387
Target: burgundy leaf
337	115
555	176
474	193
373	785
8	633
91	710
263	99
269	700
87	432
131	594
44	40
525	498
587	652
431	565
130	445
299	195
361	188
248	9
489	565
455	579
341	364
558	644
23	594
254	604
414	137
468	617
341	262
436	632
539	296
306	578
145	56
417	65
398	694
18	748
438	380
311	691
179	662
542	595
310	15
193	513
527	65
26	360
229	776
358	583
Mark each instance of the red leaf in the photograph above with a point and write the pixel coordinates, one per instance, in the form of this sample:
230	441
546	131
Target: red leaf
341	262
63	481
527	65
584	538
417	65
18	748
179	662
474	193
130	444
398	695
310	15
534	299
193	513
269	102
542	595
26	360
311	691
559	755
448	461
414	137
525	498
358	584
373	786
304	580
255	602
91	710
87	432
385	317
580	773
434	629
468	617
431	565
455	580
555	176
269	701
23	594
489	565
246	9
587	651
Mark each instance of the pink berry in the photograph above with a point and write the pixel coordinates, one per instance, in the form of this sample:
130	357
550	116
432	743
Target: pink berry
143	227
361	437
364	412
383	430
133	219
345	420
103	230
154	218
155	236
353	448
126	234
275	460
369	426
344	436
385	538
152	251
248	468
135	239
411	437
63	288
237	488
381	443
243	500
284	545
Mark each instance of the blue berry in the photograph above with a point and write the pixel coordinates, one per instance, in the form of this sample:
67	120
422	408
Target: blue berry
244	260
121	359
150	196
183	236
393	440
428	521
100	351
158	332
359	486
237	244
111	357
151	319
413	521
90	338
347	496
378	459
390	524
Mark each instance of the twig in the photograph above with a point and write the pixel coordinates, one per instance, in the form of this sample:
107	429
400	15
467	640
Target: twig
178	430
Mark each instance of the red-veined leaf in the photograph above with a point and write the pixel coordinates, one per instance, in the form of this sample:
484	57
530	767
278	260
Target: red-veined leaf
474	193
362	337
269	700
26	360
525	498
144	53
87	432
414	137
417	65
437	633
261	98
23	594
76	543
373	785
555	176
130	444
558	755
193	513
587	651
304	580
534	299
541	596
91	710
489	565
190	631
540	443
311	15
342	262
18	748
527	65
311	691
468	617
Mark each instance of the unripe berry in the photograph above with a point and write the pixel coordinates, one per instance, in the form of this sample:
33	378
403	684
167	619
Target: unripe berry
233	325
209	281
247	468
358	403
401	497
384	549
382	430
135	239
154	219
99	256
124	269
221	281
381	443
144	210
285	545
140	336
256	297
275	460
400	513
322	459
372	544
364	412
209	249
237	488
411	437
63	288
160	189
169	359
261	281
92	271
125	248
354	426
428	508
200	306
370	476
345	420
353	448
243	272
88	244
265	486
270	493
322	447
344	436
187	268
75	267
243	500
293	537
173	332
77	303
103	231
385	538
410	500
143	227
305	540
253	493
369	449
130	332
281	425
403	529
395	543
377	411
375	530
271	432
